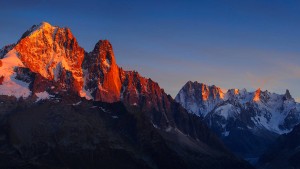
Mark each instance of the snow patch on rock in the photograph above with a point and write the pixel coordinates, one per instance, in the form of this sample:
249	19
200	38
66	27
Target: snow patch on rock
43	96
10	85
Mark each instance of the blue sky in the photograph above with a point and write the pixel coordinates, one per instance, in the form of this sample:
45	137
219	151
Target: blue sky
228	43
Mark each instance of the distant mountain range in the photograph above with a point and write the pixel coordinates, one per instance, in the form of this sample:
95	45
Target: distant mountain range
247	122
63	107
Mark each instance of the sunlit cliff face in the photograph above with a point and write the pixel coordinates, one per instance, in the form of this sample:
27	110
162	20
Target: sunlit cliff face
221	94
205	92
213	92
102	73
256	96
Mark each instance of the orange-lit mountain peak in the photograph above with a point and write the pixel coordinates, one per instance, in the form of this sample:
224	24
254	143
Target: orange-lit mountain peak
256	96
104	52
45	46
43	28
50	51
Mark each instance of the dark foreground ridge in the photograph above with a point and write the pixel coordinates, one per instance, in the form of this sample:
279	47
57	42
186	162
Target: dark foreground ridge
71	132
284	153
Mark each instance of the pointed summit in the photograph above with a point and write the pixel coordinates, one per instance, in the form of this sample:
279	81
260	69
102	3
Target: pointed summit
103	78
287	95
34	28
103	53
43	26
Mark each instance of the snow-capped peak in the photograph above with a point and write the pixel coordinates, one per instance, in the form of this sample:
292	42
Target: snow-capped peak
274	112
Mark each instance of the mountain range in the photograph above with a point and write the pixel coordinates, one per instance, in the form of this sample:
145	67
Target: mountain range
247	122
63	107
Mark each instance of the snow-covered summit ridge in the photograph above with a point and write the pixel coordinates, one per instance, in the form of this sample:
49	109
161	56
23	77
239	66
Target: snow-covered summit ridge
275	112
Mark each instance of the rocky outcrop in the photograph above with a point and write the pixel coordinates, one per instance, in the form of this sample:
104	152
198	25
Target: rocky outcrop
5	50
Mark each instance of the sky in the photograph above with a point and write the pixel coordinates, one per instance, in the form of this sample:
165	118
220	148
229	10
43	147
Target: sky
228	43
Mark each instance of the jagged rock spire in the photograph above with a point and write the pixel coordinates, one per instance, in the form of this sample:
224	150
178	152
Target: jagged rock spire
103	77
287	95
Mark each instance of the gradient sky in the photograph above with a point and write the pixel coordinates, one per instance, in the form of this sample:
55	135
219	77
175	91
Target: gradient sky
228	43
